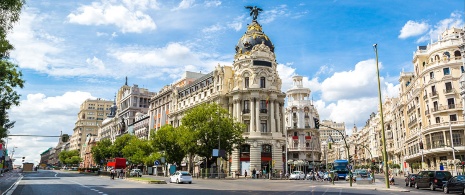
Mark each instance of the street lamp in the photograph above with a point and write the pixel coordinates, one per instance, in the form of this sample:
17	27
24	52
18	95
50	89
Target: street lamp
386	174
452	145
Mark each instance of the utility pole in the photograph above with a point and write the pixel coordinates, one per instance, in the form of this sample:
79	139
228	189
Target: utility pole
383	136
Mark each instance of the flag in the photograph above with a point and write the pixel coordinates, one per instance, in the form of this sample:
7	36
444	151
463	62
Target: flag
267	100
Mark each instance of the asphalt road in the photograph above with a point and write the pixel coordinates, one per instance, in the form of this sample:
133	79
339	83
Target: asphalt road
57	182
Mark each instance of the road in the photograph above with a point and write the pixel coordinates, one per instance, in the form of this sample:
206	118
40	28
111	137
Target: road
57	182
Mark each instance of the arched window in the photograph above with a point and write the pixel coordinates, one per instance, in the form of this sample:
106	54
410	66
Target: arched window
457	54
295	133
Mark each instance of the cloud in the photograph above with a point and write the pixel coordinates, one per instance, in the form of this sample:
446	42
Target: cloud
42	115
128	17
184	4
272	14
360	82
412	28
96	62
212	28
455	20
214	3
27	40
286	72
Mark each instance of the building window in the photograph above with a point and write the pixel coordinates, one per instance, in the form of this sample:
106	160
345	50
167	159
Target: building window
453	117
263	106
438	139
433	91
246	82
295	155
435	106
246	107
448	87
461	68
247	126
262	82
457	138
264	128
245	151
451	103
446	71
438	120
266	148
431	75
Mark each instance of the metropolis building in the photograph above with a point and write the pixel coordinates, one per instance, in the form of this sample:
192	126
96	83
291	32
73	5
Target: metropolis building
251	91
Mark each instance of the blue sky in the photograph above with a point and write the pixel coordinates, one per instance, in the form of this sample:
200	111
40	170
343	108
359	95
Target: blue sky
73	50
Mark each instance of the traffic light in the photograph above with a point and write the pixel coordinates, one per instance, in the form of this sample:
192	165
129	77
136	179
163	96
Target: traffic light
329	145
317	123
350	158
421	145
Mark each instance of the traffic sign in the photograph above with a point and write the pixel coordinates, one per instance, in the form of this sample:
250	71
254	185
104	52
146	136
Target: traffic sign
156	162
349	167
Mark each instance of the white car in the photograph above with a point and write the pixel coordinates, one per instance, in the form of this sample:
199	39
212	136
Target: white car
181	177
135	173
297	175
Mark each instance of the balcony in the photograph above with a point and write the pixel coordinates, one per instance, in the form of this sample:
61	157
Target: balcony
266	133
306	116
426	112
448	91
411	109
411	123
246	111
434	109
433	94
263	110
425	96
295	149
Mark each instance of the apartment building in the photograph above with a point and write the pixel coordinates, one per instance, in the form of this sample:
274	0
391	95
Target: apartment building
431	103
91	114
303	139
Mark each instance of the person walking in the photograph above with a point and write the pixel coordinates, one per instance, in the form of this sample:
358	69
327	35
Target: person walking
112	174
245	174
254	173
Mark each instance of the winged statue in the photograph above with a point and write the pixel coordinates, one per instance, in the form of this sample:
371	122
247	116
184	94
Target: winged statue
254	11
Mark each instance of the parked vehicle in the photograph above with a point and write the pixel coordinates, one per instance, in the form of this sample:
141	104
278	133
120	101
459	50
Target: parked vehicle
432	179
181	177
410	180
456	183
135	173
297	175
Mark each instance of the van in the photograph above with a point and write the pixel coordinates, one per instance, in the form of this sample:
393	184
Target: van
432	179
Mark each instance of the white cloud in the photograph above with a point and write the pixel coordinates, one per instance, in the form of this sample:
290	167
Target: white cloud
360	82
236	24
272	14
128	17
212	28
286	72
96	63
185	4
42	115
412	28
455	20
214	3
33	50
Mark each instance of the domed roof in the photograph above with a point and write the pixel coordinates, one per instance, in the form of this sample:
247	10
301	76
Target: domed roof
252	37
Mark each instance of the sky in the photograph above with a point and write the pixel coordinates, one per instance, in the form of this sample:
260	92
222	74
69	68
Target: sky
69	51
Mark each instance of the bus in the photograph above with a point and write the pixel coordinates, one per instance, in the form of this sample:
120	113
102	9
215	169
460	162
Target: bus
340	166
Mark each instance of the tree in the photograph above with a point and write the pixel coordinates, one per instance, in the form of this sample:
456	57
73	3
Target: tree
119	144
102	151
69	157
167	140
211	127
10	76
139	151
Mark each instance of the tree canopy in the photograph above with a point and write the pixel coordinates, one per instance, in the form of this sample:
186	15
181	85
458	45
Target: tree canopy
102	151
69	157
167	140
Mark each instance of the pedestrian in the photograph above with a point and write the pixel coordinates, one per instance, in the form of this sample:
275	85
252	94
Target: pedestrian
280	174
121	172
254	173
259	172
245	174
112	174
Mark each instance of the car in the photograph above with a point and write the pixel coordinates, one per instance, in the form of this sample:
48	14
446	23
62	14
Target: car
456	183
297	175
309	175
432	179
181	177
135	173
410	180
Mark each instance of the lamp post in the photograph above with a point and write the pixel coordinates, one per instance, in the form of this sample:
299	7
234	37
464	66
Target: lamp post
346	148
371	155
383	136
285	150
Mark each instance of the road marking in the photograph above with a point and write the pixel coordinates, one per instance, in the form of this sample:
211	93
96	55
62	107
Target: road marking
325	191
340	191
12	188
56	174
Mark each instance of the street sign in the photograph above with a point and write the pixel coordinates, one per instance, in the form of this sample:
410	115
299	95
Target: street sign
349	167
156	162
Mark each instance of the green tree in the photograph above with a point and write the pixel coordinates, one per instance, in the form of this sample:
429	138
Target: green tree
10	76
69	157
210	124
139	151
167	140
119	144
102	151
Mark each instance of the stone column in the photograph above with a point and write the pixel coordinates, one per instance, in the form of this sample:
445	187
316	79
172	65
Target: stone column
255	156
239	110
276	112
252	114
231	109
235	164
272	119
277	156
257	116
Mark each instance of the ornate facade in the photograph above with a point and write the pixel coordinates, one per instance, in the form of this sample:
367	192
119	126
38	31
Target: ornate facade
303	139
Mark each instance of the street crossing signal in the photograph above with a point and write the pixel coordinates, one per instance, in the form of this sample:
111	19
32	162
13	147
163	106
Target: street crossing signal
421	145
317	123
350	158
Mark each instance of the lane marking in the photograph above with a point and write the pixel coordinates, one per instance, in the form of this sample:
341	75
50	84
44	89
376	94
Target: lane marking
56	174
12	188
340	191
325	191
